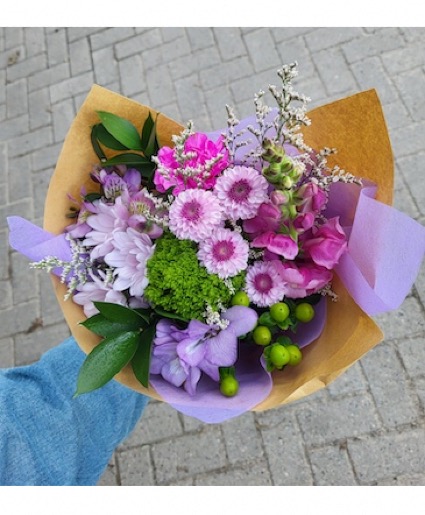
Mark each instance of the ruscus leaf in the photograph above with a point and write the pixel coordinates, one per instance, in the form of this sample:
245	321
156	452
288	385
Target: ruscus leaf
107	139
128	159
121	129
106	360
149	139
100	325
95	144
142	357
121	314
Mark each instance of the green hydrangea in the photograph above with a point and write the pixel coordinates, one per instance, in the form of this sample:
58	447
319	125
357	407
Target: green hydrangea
178	283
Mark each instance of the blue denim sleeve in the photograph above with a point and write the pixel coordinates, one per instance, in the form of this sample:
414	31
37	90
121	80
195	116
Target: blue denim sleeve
49	438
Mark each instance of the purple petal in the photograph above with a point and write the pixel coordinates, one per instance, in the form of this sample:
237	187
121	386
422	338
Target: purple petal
174	373
192	351
156	365
222	349
210	369
166	351
197	329
192	380
242	320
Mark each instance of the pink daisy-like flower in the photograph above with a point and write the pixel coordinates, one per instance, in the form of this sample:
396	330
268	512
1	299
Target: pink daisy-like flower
129	257
194	214
225	253
264	285
241	191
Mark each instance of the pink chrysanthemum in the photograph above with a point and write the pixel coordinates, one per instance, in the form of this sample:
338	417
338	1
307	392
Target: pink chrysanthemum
264	285
194	214
225	253
241	191
129	257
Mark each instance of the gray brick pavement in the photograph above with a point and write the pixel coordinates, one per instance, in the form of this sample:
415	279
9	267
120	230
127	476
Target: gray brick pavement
367	427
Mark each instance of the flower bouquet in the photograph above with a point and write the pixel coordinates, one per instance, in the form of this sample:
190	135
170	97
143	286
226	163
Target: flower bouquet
229	271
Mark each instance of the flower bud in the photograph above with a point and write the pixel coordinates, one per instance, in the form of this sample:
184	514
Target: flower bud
278	197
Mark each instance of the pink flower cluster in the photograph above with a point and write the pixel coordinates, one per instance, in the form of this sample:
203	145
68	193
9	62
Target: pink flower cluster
201	161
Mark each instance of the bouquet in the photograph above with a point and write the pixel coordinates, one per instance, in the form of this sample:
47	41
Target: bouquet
229	271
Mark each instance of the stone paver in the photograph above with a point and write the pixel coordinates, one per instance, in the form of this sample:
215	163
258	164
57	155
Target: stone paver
367	427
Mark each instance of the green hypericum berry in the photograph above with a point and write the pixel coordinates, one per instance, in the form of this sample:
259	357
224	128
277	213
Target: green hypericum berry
229	386
295	355
304	312
240	299
279	311
262	335
279	355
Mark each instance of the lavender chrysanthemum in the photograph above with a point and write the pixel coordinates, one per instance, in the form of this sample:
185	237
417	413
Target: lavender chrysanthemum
264	285
241	191
194	214
103	223
129	257
100	290
224	253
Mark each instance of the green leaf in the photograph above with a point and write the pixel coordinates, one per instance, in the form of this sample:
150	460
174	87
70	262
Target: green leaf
149	139
100	325
95	144
142	357
121	314
267	320
106	360
90	197
128	159
122	130
107	139
167	314
146	130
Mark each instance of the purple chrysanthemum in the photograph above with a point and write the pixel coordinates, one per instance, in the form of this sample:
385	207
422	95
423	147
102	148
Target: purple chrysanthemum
103	223
98	289
241	191
129	257
224	253
264	285
194	214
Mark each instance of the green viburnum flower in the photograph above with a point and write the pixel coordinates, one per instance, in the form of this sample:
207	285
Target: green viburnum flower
179	284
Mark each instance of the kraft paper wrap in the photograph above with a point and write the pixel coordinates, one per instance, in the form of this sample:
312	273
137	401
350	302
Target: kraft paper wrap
355	126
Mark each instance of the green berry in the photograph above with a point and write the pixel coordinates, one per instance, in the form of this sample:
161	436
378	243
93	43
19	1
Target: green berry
279	355
240	299
229	386
279	311
304	312
262	335
295	355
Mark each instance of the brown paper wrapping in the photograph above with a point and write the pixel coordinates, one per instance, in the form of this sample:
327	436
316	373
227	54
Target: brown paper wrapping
355	126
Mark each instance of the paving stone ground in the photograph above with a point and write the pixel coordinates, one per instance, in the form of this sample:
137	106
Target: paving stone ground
366	428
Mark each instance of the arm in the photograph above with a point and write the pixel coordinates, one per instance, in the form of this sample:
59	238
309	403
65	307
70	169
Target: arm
48	438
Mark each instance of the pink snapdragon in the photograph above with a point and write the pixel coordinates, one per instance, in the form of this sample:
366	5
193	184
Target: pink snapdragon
267	219
280	244
302	279
326	244
313	198
206	160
